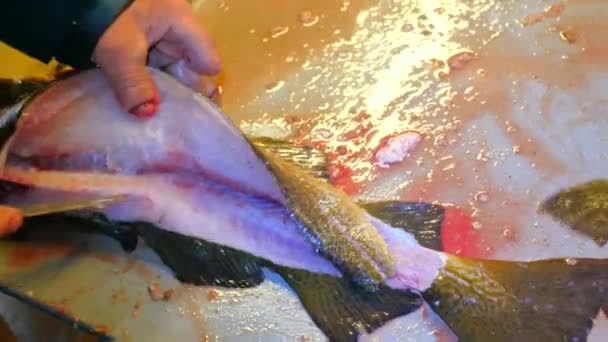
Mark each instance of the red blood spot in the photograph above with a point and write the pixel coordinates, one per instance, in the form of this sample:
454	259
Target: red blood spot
358	132
457	234
342	150
342	177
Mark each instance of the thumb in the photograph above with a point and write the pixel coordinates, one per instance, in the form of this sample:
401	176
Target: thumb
122	54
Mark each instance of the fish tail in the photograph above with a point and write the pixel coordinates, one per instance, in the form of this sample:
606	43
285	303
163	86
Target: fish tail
546	300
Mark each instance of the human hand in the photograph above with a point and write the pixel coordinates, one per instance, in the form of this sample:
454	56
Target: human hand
11	220
160	33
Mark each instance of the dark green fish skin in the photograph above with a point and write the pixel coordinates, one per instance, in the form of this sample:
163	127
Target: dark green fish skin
547	300
421	219
583	208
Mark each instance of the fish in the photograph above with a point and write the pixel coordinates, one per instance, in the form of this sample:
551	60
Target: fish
583	208
217	206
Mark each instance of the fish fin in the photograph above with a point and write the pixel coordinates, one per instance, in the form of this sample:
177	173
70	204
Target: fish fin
13	91
583	208
199	262
97	223
547	300
422	220
339	307
85	222
309	159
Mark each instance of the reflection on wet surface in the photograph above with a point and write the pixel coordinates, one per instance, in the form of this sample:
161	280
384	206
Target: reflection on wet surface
490	87
488	106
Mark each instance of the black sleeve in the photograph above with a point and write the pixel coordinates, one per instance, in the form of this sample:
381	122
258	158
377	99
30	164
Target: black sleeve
65	29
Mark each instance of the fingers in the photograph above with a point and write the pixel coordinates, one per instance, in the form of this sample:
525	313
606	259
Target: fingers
198	47
122	53
11	220
189	77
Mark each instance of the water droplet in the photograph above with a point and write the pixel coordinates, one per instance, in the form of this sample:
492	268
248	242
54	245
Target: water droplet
460	60
324	133
278	31
482	197
407	27
308	18
516	149
345	6
343	55
482	72
289	59
272	87
569	36
477	225
571	261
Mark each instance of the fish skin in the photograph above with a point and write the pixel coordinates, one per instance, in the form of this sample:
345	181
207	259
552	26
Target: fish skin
337	226
582	208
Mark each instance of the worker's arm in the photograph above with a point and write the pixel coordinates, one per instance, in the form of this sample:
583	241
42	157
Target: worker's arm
65	29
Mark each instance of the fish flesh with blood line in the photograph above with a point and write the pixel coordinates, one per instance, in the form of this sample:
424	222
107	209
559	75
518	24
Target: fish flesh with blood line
194	180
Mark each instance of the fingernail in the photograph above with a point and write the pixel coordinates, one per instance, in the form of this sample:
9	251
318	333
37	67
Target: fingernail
146	109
